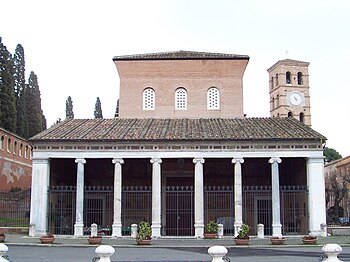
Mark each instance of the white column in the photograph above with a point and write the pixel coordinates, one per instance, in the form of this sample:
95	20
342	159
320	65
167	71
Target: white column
39	195
156	196
238	193
276	214
317	205
79	212
198	197
117	208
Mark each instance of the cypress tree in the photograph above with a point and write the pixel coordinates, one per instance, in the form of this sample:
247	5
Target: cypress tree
69	108
19	78
98	109
33	106
7	93
117	110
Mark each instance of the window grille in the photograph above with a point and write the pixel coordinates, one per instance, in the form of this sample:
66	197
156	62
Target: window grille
181	98
213	98
148	99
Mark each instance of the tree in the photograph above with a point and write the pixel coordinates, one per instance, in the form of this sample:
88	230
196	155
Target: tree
7	94
330	154
19	78
33	106
69	108
98	109
117	110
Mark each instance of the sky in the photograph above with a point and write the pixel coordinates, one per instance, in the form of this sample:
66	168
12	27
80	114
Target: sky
70	46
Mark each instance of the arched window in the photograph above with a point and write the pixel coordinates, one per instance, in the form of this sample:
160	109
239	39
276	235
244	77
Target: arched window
26	152
272	82
301	117
181	98
2	142
276	78
290	114
273	103
213	98
277	101
148	99
15	147
9	144
288	78
21	149
300	78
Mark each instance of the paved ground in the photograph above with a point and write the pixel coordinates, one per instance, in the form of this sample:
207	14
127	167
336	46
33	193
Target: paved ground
72	249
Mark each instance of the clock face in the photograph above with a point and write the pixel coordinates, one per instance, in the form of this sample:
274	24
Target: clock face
295	98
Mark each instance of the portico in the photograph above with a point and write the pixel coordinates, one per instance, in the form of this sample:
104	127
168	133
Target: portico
212	167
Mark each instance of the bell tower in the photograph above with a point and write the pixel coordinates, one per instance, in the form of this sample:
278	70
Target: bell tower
289	90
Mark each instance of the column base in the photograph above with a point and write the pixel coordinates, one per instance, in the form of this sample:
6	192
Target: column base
78	229
156	230
117	230
276	230
199	230
237	226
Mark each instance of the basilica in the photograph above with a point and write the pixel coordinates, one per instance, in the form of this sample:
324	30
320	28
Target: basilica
182	152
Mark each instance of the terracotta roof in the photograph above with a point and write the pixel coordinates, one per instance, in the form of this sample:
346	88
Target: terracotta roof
179	130
181	55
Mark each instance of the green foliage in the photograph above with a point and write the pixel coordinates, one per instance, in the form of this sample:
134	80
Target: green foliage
212	227
33	106
20	103
243	231
69	108
330	154
19	78
145	231
7	93
98	109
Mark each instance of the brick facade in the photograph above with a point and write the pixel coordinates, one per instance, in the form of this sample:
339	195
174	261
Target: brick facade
15	162
196	76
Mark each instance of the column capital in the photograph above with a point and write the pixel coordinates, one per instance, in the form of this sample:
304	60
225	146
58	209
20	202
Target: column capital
275	159
237	160
118	160
38	160
198	160
156	160
80	160
315	160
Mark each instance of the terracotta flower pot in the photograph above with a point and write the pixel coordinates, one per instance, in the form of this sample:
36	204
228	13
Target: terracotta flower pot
209	235
277	240
143	241
309	240
47	239
95	240
2	238
241	241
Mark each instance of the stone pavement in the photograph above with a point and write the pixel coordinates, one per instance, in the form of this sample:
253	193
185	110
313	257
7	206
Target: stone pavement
292	241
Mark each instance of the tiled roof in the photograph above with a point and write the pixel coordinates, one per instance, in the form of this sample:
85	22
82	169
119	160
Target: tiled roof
181	55
230	129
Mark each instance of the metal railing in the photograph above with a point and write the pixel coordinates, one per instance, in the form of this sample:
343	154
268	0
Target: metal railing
15	208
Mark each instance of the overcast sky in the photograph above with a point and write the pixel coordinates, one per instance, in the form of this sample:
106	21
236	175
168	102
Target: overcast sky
70	46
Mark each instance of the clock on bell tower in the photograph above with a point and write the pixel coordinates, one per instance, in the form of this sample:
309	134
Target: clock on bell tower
289	90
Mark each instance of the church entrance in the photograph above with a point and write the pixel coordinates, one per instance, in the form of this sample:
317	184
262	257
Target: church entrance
178	206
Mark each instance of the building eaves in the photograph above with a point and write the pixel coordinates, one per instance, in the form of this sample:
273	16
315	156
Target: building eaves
181	55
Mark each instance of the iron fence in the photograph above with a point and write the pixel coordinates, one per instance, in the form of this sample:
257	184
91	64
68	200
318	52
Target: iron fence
178	208
15	208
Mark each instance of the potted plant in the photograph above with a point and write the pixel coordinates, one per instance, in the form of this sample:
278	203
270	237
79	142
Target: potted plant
95	240
243	237
144	235
49	238
278	240
211	230
309	240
